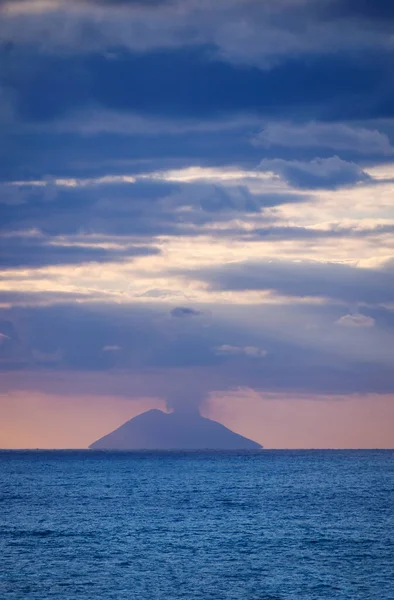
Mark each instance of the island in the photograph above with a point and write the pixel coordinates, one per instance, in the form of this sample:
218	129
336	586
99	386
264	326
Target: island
158	430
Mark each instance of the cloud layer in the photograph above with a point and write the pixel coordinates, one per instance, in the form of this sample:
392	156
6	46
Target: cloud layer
196	197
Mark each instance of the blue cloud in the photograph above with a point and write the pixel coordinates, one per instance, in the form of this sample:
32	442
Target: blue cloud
338	136
18	251
184	311
288	359
189	88
303	279
144	208
191	83
330	173
381	11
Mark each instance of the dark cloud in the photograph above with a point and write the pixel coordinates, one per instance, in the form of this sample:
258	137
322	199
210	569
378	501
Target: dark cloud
44	90
213	202
31	252
109	3
338	136
39	155
181	74
144	208
184	311
101	208
303	279
381	11
274	30
310	353
190	83
26	156
330	173
79	333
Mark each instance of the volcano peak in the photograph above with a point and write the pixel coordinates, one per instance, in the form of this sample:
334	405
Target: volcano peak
178	430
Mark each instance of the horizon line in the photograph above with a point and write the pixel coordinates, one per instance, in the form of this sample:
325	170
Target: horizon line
191	450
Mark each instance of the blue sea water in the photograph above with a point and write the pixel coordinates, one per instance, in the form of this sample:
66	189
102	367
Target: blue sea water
268	525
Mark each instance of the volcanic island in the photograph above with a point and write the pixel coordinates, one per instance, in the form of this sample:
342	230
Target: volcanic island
158	430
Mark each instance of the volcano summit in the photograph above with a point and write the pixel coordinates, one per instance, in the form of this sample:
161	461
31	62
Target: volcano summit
157	430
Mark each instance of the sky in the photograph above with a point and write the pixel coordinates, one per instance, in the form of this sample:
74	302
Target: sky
197	211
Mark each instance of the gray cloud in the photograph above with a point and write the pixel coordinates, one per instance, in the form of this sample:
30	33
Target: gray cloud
185	84
303	279
381	11
252	32
14	298
184	311
338	136
19	251
329	173
145	208
280	233
292	348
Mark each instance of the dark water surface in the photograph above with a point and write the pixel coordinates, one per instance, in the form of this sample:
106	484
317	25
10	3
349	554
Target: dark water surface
271	525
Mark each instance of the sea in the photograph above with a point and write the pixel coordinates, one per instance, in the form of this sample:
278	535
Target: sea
266	525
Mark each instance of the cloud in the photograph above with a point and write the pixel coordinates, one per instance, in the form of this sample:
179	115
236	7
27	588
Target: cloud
91	336
249	351
188	83
356	320
3	338
111	348
91	122
329	173
183	311
96	207
252	32
158	360
146	208
19	251
282	233
128	129
371	12
303	279
41	298
338	136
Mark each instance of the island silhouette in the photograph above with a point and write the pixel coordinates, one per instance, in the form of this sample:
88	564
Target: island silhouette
157	430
